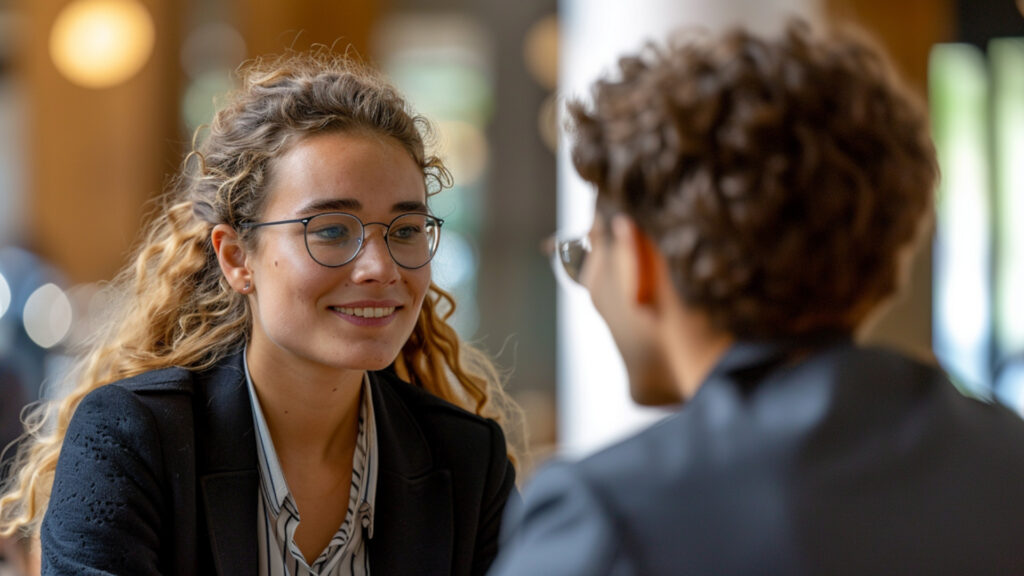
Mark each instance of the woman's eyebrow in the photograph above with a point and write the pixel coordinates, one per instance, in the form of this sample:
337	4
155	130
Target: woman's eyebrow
412	206
331	205
353	205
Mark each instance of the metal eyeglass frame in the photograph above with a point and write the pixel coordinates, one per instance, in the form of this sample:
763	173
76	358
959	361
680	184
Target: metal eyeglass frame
362	234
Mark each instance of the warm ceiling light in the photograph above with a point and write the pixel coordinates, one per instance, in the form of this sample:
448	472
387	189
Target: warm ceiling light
100	43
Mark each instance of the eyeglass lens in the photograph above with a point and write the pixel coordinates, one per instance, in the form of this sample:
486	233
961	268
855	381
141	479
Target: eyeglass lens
334	239
571	253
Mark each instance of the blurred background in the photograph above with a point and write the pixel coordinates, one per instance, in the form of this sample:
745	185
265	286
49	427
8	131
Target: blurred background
99	100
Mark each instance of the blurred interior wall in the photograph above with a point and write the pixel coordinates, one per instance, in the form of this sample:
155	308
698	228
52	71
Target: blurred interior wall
94	156
512	207
271	27
11	151
517	288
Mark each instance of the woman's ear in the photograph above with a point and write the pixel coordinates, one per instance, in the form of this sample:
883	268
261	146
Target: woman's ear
232	257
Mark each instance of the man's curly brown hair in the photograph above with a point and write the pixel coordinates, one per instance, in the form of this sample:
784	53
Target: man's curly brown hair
782	179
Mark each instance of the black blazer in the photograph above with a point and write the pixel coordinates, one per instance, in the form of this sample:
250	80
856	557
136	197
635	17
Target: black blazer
847	461
158	475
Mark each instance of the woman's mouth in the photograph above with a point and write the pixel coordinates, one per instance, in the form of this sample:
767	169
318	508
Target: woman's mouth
366	315
365	312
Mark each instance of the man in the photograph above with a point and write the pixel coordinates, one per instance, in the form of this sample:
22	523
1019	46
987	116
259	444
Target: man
756	202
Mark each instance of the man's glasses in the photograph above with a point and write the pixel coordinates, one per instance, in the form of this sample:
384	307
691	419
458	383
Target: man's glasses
334	239
569	255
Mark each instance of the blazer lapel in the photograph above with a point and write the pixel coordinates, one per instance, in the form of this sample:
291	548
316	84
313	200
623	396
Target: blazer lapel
413	527
228	476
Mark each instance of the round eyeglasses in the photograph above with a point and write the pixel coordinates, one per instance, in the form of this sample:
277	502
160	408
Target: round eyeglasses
569	255
334	239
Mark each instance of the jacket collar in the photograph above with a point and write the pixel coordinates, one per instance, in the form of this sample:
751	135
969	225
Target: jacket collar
231	434
227	469
410	454
413	520
413	515
747	362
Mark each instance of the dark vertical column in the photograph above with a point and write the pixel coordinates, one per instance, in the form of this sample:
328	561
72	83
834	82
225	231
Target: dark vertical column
517	288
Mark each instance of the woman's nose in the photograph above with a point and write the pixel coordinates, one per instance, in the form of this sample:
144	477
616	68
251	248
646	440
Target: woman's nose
374	262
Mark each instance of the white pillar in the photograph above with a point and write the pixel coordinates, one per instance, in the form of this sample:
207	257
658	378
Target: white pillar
594	404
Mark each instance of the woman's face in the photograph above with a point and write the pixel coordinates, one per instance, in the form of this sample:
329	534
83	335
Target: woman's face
356	316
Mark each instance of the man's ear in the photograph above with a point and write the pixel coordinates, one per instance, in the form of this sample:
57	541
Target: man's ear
644	255
232	257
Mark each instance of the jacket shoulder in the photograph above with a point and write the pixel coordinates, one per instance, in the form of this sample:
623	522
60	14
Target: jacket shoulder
447	432
425	403
172	379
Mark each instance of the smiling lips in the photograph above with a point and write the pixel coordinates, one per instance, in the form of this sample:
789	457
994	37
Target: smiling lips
365	312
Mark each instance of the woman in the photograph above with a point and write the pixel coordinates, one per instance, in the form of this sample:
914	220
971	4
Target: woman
260	418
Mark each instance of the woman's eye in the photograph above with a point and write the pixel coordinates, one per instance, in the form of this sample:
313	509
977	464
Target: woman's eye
330	233
406	232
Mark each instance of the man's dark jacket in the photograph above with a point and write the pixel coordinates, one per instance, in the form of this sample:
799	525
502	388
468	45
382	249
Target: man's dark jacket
839	461
158	475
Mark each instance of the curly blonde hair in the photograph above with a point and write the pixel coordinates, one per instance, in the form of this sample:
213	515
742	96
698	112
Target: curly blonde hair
173	306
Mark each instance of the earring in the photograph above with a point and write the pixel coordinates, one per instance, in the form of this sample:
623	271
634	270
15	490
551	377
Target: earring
248	285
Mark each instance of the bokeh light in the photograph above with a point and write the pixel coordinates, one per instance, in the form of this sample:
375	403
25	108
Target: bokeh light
540	51
212	46
455	262
5	295
47	315
197	105
101	43
548	121
465	150
454	268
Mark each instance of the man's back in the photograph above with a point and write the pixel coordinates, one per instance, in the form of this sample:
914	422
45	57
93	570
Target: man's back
846	461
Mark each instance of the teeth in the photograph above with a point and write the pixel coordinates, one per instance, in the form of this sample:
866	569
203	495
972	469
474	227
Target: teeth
366	312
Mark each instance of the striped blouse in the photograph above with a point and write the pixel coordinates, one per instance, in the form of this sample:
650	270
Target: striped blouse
278	516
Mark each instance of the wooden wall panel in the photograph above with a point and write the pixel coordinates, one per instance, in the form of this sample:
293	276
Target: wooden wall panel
907	29
272	27
94	156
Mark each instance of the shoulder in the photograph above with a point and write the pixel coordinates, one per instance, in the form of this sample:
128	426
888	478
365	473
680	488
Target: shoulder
565	525
140	411
127	407
417	430
116	464
173	380
427	409
877	376
599	485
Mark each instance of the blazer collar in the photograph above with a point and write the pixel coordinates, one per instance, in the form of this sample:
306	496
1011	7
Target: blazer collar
402	447
747	361
413	515
227	467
